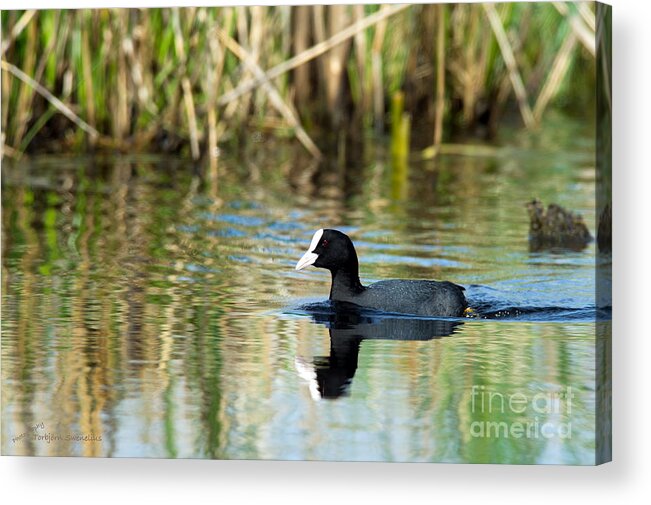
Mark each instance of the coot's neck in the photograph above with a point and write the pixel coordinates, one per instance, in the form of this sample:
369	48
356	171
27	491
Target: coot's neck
345	282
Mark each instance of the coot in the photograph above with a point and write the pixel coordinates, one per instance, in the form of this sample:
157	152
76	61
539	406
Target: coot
335	251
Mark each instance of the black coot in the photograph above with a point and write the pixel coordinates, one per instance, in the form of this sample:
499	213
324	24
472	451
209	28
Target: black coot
333	250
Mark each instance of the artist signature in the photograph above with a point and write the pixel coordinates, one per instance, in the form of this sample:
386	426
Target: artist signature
38	433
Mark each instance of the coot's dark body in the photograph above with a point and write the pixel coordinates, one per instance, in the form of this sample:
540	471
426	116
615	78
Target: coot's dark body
334	250
421	298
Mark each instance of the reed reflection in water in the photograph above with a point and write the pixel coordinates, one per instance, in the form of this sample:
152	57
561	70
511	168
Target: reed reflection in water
139	308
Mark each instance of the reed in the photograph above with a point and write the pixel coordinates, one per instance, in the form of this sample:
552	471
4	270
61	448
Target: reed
194	79
400	140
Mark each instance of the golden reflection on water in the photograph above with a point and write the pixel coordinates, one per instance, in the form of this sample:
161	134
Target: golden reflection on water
140	309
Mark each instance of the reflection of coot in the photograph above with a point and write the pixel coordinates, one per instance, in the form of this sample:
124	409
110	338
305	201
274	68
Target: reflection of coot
330	376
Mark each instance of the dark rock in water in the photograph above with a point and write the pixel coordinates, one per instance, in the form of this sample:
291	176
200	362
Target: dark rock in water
555	228
604	231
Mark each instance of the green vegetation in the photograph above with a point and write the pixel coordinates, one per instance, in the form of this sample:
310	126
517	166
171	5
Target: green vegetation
190	80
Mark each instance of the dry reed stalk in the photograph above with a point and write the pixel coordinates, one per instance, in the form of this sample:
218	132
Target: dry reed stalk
256	35
6	88
311	53
192	117
472	83
284	17
484	58
587	15
336	61
213	153
241	24
186	86
274	97
440	75
243	37
121	119
143	75
143	95
86	67
23	110
376	71
38	74
233	107
585	35
470	150
555	76
56	103
8	150
511	65
360	59
462	61
319	25
17	29
301	38
214	78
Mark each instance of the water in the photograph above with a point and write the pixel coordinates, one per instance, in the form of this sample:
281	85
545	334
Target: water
161	316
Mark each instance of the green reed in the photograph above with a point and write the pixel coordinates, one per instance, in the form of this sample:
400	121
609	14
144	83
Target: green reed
152	79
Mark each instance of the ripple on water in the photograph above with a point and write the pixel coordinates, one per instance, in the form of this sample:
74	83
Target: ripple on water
177	329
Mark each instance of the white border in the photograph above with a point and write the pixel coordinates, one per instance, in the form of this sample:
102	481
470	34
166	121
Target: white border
77	480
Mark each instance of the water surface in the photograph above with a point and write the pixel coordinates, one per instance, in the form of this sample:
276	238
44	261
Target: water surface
144	305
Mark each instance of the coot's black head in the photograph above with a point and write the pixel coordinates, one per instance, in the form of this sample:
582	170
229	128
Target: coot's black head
330	249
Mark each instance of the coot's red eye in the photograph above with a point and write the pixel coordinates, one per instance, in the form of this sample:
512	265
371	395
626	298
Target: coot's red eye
324	243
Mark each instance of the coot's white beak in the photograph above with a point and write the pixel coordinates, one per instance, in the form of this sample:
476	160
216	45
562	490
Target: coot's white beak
310	257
